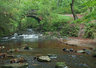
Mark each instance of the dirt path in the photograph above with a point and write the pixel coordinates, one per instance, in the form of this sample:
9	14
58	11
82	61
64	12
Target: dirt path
79	15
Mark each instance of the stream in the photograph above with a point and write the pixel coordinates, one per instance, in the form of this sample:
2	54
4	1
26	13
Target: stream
43	46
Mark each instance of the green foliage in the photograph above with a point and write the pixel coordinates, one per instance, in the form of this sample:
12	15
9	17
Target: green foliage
90	30
54	22
70	30
13	16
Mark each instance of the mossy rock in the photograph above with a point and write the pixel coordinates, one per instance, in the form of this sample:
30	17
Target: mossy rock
15	65
61	65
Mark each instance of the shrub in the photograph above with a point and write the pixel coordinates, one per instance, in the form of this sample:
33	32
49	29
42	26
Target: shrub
90	30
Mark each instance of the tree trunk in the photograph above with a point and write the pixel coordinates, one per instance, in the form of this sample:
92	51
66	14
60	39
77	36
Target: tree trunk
72	9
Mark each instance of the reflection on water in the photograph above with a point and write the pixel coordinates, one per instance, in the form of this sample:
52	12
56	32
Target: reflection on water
45	47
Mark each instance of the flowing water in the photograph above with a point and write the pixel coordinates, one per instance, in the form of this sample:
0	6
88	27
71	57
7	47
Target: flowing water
44	46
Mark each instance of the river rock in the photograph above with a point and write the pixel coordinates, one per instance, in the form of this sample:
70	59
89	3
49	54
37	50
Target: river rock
87	51
10	56
61	65
2	47
71	50
66	50
27	48
11	50
3	55
84	51
52	56
18	60
15	65
80	51
44	59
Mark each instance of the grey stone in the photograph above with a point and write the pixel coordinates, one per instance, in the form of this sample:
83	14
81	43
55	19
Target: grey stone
44	59
53	56
80	51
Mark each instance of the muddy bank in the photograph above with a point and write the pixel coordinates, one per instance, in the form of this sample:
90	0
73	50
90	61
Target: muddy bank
72	41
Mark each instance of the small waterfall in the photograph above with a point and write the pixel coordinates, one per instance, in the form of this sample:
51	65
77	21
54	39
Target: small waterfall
26	35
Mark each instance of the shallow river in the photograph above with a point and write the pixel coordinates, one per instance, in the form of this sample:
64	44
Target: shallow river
46	46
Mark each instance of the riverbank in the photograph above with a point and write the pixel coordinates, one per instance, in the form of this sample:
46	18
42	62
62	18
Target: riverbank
76	41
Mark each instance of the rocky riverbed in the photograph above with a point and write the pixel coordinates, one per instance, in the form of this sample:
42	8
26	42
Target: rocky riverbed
51	49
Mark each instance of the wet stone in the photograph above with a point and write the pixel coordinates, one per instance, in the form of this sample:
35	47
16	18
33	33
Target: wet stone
18	60
2	47
71	49
88	52
44	59
66	50
3	55
27	48
80	51
11	50
52	56
61	65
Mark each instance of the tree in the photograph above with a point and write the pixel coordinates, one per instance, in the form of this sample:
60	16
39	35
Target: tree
72	9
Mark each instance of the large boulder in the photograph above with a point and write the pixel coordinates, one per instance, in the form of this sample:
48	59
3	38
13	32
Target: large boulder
44	59
61	65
